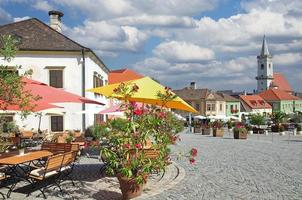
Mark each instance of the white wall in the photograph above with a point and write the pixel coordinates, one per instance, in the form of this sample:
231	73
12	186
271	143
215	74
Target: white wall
72	82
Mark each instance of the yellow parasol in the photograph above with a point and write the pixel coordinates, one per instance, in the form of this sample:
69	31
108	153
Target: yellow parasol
147	93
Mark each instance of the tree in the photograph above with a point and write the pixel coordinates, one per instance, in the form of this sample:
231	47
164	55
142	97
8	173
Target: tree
11	84
257	119
278	117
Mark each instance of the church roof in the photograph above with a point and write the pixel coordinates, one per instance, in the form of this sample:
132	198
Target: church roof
281	82
255	102
121	75
264	49
277	95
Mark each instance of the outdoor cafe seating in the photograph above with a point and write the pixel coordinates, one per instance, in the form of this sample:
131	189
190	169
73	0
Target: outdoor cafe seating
49	166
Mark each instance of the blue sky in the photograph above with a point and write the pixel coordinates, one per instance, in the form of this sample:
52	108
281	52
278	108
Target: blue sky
214	43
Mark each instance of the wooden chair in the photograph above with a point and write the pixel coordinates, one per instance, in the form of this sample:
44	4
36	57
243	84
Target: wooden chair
46	176
67	166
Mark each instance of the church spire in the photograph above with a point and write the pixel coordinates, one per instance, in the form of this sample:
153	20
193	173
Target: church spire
264	50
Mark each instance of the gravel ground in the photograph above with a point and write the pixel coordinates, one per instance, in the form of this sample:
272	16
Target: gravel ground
260	167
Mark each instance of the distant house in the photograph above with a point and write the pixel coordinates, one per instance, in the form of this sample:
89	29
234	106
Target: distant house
62	63
280	100
255	104
120	75
205	101
232	107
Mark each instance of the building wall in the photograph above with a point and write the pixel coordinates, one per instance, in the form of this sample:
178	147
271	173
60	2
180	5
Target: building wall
298	105
72	82
287	106
217	105
262	111
236	105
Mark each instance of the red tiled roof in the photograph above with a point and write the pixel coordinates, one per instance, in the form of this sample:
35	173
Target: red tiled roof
277	95
121	75
281	82
255	101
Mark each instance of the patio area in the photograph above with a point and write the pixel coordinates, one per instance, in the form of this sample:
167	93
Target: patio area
256	168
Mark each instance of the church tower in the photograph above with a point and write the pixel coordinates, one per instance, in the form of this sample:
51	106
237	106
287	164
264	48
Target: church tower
265	68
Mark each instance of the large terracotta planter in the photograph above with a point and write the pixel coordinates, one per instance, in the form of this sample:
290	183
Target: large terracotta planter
206	131
197	129
240	134
217	132
130	189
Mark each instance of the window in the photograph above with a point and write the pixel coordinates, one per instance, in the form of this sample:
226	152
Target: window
56	123
220	107
262	66
232	107
98	118
97	81
269	66
56	78
211	107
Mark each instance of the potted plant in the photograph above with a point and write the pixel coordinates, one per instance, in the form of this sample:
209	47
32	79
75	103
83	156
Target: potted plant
217	128
230	125
299	129
129	142
240	131
207	130
258	120
197	127
249	129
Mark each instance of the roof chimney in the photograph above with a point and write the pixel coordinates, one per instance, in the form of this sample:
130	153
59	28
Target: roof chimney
55	20
193	85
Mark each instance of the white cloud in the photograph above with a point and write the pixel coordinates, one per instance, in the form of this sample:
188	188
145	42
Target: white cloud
100	9
17	19
183	52
106	38
288	59
42	5
156	20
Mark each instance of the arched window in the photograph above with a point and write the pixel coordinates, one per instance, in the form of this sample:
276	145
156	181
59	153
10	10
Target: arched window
262	66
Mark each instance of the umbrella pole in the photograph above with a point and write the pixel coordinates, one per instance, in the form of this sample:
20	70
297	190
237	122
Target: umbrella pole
40	116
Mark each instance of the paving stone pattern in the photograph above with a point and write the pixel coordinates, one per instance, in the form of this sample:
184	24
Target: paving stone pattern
256	168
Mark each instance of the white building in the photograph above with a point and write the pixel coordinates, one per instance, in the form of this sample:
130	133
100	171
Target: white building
60	62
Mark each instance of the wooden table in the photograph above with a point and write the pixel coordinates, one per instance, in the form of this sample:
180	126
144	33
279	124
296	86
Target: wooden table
14	160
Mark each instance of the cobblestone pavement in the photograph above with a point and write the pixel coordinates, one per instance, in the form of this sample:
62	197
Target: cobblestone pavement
261	167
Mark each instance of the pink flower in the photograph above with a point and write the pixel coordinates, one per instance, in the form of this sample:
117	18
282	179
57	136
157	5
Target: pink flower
138	146
193	152
138	112
192	160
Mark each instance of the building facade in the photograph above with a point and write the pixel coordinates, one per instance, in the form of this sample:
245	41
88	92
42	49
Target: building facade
205	101
281	101
62	63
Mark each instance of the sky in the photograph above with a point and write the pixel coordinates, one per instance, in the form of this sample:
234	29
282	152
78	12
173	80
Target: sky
214	43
